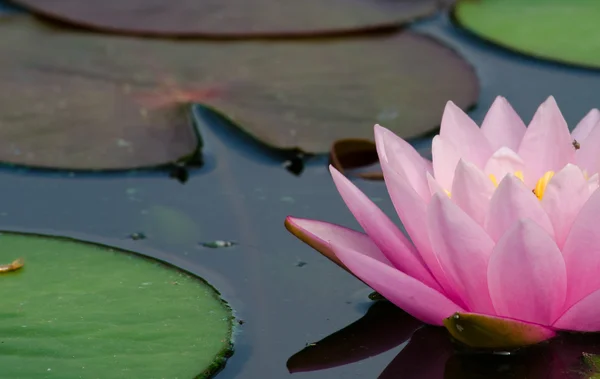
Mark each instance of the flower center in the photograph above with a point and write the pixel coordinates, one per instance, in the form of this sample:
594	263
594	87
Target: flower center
540	186
518	174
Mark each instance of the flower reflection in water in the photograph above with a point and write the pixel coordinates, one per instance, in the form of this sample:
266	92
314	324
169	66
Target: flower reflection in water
430	353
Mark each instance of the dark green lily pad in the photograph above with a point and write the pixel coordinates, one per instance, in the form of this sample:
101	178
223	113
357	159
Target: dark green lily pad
79	310
218	18
564	31
592	363
90	101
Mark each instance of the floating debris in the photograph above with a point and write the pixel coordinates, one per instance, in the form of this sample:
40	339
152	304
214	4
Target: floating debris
14	266
137	236
218	244
375	296
301	264
287	199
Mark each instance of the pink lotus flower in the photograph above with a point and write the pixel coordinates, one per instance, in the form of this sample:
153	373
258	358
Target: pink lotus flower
504	226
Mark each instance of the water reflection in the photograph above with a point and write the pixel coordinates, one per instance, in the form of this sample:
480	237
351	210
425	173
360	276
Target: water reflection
430	353
382	328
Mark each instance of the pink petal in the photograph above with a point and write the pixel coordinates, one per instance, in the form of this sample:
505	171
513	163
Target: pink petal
502	126
512	202
547	144
584	316
503	162
463	248
384	233
434	186
472	190
581	252
563	198
588	156
458	129
586	125
417	299
526	275
405	160
321	235
445	158
593	183
412	211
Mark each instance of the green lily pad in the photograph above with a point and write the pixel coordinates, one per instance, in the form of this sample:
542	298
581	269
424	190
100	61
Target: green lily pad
218	18
116	102
592	362
80	310
495	333
564	31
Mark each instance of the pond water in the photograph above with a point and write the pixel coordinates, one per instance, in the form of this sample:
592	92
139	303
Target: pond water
286	294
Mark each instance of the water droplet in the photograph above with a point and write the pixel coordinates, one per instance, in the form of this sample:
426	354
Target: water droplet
123	143
218	244
387	115
137	236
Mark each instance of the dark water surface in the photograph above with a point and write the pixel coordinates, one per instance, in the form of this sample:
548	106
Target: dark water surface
287	294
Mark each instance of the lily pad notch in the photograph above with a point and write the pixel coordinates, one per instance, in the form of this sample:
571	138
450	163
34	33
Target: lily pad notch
146	318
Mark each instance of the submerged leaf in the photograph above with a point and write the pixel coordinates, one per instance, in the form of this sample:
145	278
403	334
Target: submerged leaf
108	102
80	310
490	332
232	18
170	226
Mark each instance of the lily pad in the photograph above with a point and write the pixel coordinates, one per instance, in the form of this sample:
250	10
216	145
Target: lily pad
79	310
592	362
218	18
90	101
564	31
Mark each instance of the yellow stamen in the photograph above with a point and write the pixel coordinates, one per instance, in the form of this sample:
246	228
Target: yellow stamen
448	193
540	186
519	174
